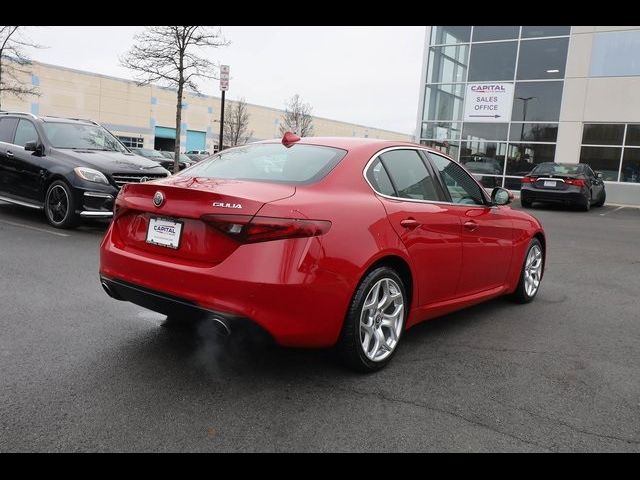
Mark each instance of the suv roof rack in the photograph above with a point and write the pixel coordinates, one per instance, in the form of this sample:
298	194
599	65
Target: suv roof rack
19	113
70	118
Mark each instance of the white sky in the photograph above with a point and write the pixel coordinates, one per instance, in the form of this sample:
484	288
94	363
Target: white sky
365	75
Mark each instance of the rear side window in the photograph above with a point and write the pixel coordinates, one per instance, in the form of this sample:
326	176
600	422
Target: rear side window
409	175
461	186
7	127
25	132
379	179
270	162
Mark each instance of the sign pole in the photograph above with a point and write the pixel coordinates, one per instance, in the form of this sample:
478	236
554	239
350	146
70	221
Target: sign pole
224	86
221	122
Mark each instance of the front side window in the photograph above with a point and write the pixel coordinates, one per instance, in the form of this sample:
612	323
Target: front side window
25	132
270	162
462	188
409	175
81	136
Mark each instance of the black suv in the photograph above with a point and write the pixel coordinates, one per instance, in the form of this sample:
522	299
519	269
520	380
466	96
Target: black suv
70	168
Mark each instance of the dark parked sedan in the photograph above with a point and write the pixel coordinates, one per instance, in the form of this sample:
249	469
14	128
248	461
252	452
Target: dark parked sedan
566	183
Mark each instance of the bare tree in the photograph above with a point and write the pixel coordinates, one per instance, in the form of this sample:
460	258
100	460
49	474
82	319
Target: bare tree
297	117
236	124
169	55
15	62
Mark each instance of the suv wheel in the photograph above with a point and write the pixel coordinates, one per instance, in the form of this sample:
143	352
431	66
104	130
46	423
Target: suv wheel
59	205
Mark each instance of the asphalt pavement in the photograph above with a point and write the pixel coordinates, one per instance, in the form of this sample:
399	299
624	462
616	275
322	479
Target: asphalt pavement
82	372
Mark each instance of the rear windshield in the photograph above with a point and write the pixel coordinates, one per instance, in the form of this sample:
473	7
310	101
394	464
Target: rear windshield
270	162
558	169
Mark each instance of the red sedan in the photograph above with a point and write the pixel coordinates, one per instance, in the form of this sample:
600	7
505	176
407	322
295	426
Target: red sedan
321	242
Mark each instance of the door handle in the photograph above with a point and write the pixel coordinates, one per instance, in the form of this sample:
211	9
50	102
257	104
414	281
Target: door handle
409	223
9	154
470	225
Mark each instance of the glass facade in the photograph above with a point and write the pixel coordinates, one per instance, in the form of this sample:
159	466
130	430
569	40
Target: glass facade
613	149
532	59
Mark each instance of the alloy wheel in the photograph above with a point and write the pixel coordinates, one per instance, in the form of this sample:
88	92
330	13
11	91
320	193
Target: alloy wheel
532	270
381	319
57	204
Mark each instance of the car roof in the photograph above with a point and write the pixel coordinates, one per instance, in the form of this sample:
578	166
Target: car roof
356	143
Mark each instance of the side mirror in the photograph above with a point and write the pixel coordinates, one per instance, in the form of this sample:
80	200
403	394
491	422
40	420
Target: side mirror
33	146
501	196
599	175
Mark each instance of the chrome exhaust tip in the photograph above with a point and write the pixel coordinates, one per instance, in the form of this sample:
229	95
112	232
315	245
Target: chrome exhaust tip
222	325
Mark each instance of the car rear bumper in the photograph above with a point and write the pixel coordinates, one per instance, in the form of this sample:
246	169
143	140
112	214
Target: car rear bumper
276	285
572	195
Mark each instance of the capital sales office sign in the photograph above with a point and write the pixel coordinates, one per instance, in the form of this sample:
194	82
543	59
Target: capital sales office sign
488	102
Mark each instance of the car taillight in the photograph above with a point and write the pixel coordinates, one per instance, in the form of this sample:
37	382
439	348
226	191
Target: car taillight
248	229
528	180
578	182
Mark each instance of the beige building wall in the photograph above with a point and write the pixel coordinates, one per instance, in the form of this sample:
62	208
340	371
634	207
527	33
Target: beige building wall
595	100
128	109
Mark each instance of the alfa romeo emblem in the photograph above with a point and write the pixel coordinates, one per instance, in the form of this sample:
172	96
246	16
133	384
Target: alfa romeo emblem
158	199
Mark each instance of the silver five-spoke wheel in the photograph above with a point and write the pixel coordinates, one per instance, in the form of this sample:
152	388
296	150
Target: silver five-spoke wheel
533	270
381	319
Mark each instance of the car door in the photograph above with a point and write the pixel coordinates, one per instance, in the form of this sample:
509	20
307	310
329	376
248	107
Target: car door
28	165
487	231
7	165
428	229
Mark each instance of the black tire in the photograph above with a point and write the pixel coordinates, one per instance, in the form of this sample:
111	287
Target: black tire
520	295
525	203
601	200
586	205
350	345
60	206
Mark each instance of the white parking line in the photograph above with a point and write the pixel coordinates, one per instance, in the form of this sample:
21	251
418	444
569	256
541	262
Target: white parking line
614	210
35	228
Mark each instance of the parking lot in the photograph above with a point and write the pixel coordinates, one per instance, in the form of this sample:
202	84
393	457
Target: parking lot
80	371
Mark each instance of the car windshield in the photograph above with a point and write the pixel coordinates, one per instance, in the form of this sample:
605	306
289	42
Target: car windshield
147	152
270	162
80	136
557	169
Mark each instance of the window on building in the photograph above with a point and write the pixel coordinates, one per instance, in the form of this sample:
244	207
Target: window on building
441	130
633	135
131	142
534	132
542	59
602	159
485	131
485	33
447	64
613	149
537	102
448	35
445	146
549	31
443	102
602	134
522	157
483	157
630	171
615	54
492	61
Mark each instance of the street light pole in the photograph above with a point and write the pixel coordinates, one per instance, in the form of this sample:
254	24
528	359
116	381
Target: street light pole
221	122
525	101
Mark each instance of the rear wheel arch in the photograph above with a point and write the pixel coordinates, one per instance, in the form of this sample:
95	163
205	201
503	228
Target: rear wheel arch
398	264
